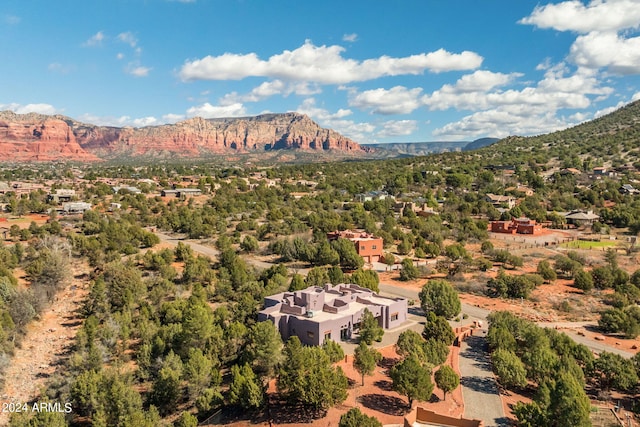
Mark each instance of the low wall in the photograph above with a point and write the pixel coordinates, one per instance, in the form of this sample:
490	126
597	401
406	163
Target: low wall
421	415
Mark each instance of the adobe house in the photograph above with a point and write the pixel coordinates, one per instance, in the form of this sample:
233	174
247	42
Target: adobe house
516	226
331	312
369	247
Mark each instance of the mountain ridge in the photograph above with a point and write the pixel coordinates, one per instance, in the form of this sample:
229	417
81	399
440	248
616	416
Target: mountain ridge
193	137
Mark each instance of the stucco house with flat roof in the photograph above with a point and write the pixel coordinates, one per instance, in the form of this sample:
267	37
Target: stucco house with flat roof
331	312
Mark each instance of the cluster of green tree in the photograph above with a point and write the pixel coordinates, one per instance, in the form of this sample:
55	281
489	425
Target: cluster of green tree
513	286
340	252
524	353
105	239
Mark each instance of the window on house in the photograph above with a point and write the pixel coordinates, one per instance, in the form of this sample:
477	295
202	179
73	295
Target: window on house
374	247
394	317
310	334
327	336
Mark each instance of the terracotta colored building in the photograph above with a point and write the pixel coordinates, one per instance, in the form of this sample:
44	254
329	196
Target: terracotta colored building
331	312
516	226
369	247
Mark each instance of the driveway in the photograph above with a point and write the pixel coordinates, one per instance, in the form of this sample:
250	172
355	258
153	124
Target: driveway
479	389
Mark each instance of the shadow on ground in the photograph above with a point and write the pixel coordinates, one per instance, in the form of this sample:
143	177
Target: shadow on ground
390	405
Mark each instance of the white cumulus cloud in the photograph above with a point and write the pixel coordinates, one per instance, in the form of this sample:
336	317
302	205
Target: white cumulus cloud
39	108
397	100
350	37
137	70
397	128
323	65
598	15
208	111
607	50
358	131
95	40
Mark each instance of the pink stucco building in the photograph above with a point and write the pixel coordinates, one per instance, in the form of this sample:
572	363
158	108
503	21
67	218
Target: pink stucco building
331	312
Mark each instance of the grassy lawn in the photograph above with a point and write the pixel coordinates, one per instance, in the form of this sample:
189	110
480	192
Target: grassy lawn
585	244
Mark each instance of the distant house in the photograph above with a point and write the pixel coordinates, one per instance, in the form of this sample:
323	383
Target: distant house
369	247
62	195
500	201
317	314
581	217
522	189
181	192
132	190
570	171
628	189
373	195
516	226
600	170
75	207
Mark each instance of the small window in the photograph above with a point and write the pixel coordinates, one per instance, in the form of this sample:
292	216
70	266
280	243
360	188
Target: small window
310	334
394	317
327	336
374	247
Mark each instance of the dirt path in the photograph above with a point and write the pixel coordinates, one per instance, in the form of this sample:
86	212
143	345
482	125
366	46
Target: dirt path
45	344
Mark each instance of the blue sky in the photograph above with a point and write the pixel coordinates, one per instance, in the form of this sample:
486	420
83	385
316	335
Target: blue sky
376	71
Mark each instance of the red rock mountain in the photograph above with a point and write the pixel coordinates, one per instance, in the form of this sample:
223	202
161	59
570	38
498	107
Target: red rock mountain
35	137
38	137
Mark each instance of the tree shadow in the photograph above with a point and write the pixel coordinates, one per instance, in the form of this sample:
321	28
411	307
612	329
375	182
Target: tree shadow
234	414
482	385
289	413
390	405
384	385
388	362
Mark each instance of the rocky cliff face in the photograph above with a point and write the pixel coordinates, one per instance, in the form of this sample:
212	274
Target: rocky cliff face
197	136
34	137
38	137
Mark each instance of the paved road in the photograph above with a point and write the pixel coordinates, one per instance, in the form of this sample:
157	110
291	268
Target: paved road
479	389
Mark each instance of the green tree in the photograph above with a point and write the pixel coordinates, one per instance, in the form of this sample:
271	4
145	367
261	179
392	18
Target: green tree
438	328
245	389
546	271
249	244
412	379
264	346
408	271
355	418
317	276
411	344
365	359
186	420
446	379
370	330
614	371
297	283
349	258
583	280
390	260
569	404
333	350
366	278
439	297
509	368
308	377
167	387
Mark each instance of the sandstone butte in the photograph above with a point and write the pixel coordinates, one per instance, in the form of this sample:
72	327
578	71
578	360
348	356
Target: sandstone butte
36	137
